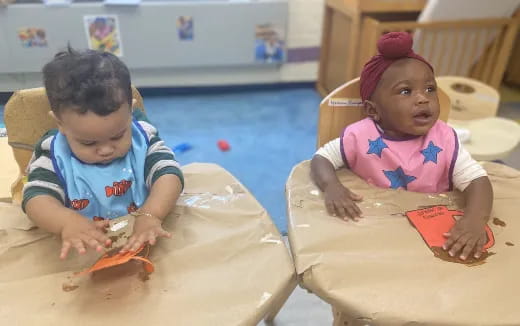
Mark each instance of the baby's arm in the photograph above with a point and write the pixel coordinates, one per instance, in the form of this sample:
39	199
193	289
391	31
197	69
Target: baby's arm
468	236
161	201
338	199
164	178
76	231
43	201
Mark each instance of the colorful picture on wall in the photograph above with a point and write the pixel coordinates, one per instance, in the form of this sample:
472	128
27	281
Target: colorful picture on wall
32	37
103	34
185	28
270	43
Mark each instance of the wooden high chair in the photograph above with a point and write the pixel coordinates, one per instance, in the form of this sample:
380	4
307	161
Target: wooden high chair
27	119
343	106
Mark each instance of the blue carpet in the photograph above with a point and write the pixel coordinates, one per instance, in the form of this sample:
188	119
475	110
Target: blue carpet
269	132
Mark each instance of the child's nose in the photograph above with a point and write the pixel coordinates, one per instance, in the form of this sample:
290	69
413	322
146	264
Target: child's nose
105	150
422	98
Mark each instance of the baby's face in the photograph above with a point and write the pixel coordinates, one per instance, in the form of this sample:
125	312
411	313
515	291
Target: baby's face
98	139
406	99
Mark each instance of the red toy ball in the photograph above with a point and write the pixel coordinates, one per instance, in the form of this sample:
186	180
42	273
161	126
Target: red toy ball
223	145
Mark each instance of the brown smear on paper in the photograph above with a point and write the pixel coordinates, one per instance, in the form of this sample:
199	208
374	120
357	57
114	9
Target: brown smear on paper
69	287
115	238
508	243
470	261
144	276
499	222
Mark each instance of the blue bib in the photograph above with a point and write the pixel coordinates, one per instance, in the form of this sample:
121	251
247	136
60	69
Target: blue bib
103	191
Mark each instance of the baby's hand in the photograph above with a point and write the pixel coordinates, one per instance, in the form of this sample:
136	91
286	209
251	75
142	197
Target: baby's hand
81	231
340	202
146	229
468	235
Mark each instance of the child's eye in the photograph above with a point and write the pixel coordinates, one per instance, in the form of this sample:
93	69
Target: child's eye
431	89
405	91
117	137
90	143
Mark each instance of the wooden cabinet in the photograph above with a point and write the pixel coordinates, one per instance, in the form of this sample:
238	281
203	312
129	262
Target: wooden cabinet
341	36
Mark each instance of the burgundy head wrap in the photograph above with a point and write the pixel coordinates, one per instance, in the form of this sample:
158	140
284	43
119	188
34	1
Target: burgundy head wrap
392	47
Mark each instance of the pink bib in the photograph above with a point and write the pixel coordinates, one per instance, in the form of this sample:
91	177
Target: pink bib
421	164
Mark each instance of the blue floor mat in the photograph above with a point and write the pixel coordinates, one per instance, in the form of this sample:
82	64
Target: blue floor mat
268	131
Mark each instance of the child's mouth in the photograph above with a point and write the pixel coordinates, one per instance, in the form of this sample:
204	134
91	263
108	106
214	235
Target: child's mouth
422	118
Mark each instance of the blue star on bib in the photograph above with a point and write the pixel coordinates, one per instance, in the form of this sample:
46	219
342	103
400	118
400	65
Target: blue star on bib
430	153
376	146
398	178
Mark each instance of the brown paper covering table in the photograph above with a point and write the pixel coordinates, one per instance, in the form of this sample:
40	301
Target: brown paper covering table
380	272
226	264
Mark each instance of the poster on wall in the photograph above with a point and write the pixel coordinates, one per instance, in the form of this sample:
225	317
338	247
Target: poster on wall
32	37
269	43
103	33
185	28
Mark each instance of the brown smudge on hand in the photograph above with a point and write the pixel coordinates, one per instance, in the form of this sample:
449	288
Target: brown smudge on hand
509	244
470	261
498	222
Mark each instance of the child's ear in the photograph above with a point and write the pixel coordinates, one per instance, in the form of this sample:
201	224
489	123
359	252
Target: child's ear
371	110
58	121
134	104
54	117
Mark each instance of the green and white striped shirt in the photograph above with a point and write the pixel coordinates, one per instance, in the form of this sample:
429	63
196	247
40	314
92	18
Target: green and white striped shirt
43	179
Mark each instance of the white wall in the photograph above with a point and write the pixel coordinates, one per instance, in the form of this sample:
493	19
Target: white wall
304	31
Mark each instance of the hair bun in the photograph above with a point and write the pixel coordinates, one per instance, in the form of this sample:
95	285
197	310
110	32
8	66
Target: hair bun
395	45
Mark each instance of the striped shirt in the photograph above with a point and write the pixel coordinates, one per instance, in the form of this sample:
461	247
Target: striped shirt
43	179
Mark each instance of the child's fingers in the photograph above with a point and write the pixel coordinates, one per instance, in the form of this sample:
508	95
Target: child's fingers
357	210
330	208
99	236
340	209
468	248
480	246
80	247
128	244
65	247
92	243
457	246
163	233
352	213
152	238
138	242
453	236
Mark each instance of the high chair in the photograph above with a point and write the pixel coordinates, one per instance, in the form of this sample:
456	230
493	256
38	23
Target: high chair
343	106
27	119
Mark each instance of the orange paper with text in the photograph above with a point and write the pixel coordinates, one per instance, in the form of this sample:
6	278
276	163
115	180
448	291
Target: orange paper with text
433	222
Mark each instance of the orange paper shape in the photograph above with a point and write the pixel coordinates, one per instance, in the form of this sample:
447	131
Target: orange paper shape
433	222
107	261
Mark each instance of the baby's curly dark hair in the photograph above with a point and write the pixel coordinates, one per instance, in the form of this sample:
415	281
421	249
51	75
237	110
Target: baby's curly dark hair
84	81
